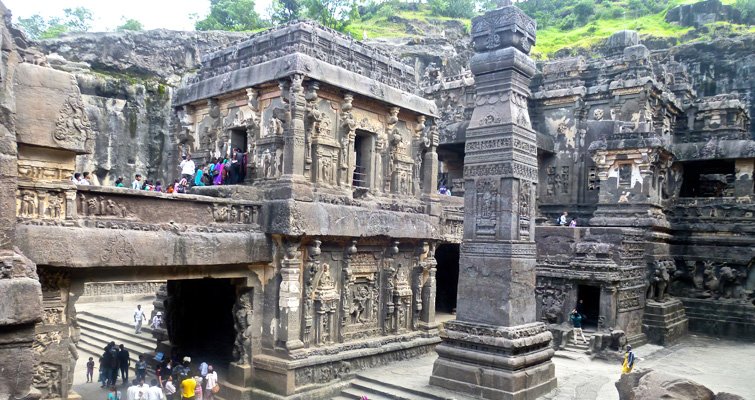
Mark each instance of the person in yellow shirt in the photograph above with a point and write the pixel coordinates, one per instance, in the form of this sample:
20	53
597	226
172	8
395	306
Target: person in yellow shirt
628	364
188	386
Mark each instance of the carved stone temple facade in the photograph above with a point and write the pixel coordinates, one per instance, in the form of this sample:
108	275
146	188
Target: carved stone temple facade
322	259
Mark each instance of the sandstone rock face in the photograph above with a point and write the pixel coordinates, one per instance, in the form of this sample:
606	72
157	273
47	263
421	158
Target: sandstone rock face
162	54
649	384
127	80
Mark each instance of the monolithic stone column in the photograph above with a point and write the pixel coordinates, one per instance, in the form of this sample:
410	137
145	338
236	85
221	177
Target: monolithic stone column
495	349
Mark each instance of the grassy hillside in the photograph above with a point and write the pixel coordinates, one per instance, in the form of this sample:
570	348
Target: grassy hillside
561	23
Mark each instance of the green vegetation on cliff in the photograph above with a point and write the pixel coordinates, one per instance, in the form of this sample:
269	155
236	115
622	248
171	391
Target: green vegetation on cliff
562	24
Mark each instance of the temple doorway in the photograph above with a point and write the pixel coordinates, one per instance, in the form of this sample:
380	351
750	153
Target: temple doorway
447	256
238	139
590	307
200	319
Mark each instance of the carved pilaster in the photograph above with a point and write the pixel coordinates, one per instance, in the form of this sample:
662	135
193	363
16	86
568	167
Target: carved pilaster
389	274
347	279
289	296
294	153
348	135
311	269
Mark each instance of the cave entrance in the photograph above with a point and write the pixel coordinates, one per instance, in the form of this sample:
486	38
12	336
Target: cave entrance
238	139
588	304
201	320
363	149
447	256
709	178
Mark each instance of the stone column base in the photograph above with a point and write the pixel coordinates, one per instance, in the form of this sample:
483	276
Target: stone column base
502	363
238	386
664	323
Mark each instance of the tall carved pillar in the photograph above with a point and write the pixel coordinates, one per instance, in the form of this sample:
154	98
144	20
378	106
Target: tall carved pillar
289	296
348	136
294	149
252	123
429	287
430	162
495	349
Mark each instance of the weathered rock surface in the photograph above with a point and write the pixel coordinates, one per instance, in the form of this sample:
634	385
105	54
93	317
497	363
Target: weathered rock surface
705	12
161	53
649	384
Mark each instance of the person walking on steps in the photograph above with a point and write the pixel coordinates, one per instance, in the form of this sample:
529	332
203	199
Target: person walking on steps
576	321
124	362
139	317
628	364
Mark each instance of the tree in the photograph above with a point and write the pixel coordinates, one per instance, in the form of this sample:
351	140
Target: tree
283	11
231	15
453	8
130	25
77	19
336	14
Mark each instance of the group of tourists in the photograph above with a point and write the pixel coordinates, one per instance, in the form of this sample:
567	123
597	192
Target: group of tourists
82	178
564	221
172	381
220	171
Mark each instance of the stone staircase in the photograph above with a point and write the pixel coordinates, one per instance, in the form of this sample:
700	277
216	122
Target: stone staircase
381	390
575	350
97	331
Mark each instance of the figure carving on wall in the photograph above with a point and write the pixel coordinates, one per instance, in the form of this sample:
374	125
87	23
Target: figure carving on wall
359	304
327	170
28	206
54	205
243	312
598	114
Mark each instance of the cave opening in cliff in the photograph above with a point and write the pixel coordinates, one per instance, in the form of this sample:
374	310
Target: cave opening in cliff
447	256
200	320
709	178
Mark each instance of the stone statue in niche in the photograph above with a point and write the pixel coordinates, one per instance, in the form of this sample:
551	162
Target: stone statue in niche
658	282
359	304
327	170
598	114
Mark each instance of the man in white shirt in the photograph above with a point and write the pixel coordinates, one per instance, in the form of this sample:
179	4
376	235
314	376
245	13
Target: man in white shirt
137	183
170	388
134	391
212	379
85	179
154	392
187	168
139	317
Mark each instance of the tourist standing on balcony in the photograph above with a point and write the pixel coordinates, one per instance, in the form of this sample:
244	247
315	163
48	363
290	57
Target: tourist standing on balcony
562	219
76	178
85	179
187	167
139	317
137	183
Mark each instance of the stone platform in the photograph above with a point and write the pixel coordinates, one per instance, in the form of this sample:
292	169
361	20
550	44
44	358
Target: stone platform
664	323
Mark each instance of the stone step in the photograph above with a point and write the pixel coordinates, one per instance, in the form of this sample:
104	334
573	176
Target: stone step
104	325
101	339
104	335
382	390
87	350
416	393
113	323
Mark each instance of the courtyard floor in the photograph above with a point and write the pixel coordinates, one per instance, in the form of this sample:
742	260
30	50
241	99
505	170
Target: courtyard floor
721	365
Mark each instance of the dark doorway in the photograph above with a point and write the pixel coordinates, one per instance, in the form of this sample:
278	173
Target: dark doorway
590	306
447	276
710	178
363	160
238	139
201	321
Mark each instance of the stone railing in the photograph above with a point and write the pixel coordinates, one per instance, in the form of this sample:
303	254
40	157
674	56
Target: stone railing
120	208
